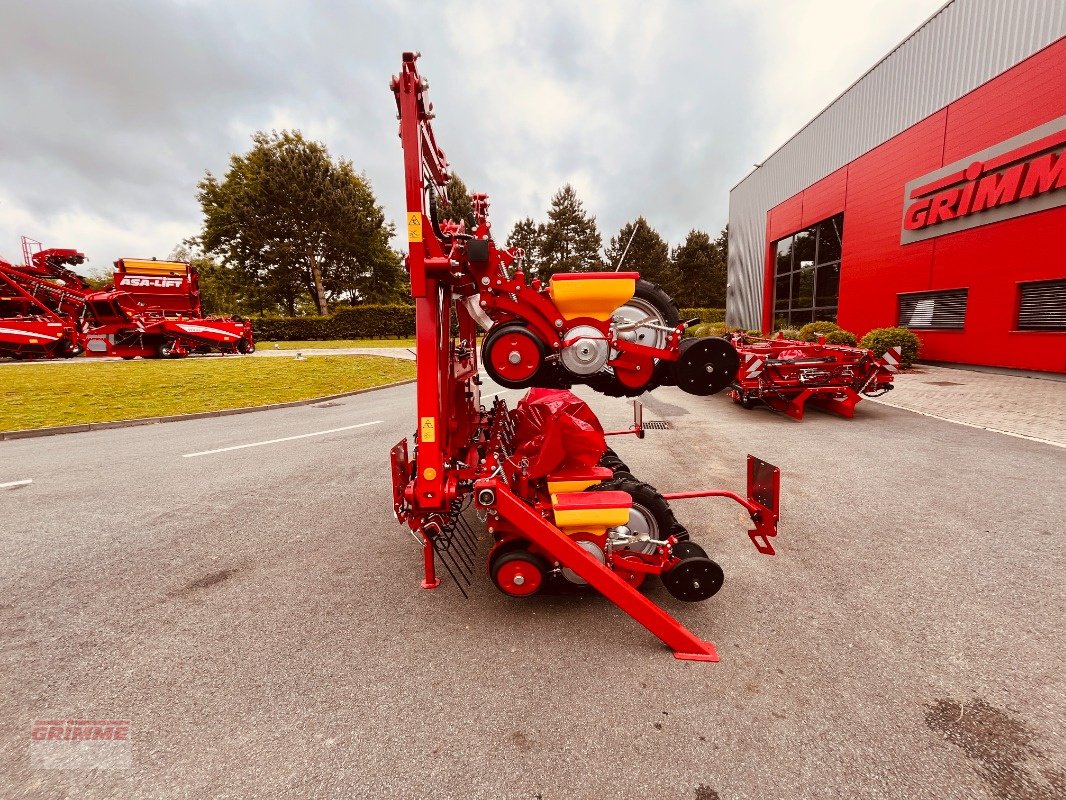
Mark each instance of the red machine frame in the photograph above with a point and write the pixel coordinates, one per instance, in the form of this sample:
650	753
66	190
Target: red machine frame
151	310
463	451
786	375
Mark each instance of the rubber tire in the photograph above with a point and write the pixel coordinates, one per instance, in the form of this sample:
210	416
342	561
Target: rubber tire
244	348
666	305
685	550
163	352
128	358
708	571
646	496
539	562
492	337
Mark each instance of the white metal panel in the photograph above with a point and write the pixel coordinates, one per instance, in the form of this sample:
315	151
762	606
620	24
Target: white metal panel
964	45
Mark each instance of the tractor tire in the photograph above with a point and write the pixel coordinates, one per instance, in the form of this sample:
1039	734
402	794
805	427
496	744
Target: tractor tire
165	349
649	301
244	347
651	513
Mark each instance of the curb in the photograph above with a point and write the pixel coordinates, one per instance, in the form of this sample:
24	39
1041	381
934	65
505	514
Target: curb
34	433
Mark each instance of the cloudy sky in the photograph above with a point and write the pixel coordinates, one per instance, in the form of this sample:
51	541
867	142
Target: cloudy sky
113	110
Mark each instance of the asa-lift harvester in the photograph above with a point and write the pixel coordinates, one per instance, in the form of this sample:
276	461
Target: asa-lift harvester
152	309
558	504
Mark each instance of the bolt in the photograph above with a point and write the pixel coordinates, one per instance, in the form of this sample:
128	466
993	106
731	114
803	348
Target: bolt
514	357
519	580
485	281
558	323
709	368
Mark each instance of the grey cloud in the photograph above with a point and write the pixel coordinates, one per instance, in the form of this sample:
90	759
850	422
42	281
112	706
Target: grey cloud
115	109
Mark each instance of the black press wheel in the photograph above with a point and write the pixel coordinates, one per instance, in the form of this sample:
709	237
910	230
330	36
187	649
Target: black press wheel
244	347
685	550
694	579
166	349
520	573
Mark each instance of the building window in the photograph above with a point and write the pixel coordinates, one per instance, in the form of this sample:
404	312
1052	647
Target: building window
1042	306
807	274
933	310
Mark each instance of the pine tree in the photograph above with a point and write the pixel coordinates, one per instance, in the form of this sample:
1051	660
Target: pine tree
459	208
526	235
648	253
700	270
569	240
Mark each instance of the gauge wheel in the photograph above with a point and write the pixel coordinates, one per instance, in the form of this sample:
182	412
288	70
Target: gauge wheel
651	304
520	573
513	355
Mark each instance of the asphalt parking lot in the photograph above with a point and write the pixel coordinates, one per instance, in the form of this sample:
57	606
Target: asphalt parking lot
255	613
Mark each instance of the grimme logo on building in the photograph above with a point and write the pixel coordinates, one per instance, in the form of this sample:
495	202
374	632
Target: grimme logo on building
1024	174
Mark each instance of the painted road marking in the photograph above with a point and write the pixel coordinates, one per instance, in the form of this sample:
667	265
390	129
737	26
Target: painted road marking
283	439
13	484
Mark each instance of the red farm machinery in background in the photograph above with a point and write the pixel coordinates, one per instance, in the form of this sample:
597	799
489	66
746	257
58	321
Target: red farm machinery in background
152	309
786	375
560	507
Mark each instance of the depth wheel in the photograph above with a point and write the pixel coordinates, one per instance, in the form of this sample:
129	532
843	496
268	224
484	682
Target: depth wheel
706	366
166	349
651	304
694	579
520	573
649	514
685	550
513	355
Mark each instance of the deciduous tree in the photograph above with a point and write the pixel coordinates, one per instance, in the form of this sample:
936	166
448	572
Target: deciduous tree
296	222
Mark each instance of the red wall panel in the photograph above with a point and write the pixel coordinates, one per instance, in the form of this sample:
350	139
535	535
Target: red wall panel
989	260
825	199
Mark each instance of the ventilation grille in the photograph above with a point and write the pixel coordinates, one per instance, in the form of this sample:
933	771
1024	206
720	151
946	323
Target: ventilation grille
933	310
1042	306
657	425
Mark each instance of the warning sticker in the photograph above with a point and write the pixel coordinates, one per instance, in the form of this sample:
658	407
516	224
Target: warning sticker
414	226
429	429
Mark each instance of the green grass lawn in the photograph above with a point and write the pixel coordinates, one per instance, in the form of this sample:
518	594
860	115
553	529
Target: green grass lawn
43	395
336	343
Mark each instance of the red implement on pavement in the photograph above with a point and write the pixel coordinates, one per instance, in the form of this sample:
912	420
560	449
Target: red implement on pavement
152	310
560	506
787	375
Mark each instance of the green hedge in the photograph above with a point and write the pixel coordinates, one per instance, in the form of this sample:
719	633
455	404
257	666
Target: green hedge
705	314
880	339
359	322
374	322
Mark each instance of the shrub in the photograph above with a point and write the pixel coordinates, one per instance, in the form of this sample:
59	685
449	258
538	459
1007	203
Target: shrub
790	333
753	332
358	322
811	331
841	337
705	314
880	339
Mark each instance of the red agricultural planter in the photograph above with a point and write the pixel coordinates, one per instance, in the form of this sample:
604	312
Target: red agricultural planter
152	310
787	375
560	507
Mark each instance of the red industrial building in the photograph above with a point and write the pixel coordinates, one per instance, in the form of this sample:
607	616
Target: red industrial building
954	226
